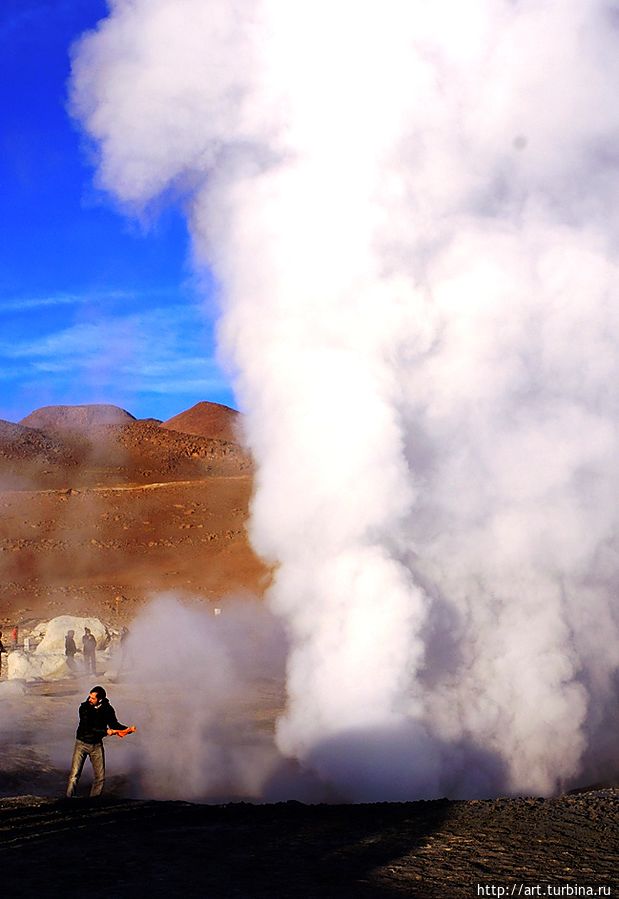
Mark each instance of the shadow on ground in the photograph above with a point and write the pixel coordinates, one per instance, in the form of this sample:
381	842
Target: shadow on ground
421	849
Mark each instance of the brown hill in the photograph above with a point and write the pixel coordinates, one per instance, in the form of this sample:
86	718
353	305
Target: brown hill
29	456
138	452
207	420
141	452
76	418
23	444
90	512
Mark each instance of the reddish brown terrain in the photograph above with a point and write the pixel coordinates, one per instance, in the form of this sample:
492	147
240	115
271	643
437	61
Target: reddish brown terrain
99	510
207	420
76	418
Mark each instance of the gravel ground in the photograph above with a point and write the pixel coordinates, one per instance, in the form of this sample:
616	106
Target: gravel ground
419	849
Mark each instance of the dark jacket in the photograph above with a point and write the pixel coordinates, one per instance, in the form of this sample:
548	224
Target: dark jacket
69	646
95	720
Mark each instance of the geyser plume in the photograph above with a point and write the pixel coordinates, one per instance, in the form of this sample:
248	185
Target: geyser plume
411	209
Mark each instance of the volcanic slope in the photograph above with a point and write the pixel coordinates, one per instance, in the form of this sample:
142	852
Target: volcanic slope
28	456
92	511
207	420
76	418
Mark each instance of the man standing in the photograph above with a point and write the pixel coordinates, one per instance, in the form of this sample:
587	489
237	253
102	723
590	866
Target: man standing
70	649
89	645
97	720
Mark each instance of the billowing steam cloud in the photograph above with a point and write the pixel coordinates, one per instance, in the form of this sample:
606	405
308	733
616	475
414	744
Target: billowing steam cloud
196	674
412	210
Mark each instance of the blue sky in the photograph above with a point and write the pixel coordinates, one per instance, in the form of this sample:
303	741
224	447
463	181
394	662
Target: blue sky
93	307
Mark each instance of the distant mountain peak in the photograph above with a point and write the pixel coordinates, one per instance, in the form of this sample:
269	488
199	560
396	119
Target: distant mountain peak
76	418
207	419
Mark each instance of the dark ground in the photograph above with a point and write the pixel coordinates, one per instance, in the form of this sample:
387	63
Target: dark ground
418	849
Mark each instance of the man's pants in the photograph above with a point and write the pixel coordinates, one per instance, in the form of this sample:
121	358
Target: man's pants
89	661
97	759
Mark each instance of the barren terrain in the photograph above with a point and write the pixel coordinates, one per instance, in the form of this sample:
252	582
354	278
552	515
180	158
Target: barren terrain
96	517
431	850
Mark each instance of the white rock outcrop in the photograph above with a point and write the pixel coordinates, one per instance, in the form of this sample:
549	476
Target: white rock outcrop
31	666
57	628
47	661
49	666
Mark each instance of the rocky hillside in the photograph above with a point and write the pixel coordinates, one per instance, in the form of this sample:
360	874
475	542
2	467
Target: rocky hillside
76	418
92	513
77	446
207	420
28	456
25	444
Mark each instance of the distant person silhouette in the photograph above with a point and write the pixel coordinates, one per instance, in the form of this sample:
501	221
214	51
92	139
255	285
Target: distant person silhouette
89	645
70	649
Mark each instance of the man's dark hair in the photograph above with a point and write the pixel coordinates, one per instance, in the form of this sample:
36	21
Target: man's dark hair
100	691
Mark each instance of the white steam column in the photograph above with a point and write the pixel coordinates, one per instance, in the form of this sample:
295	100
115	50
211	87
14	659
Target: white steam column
412	210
